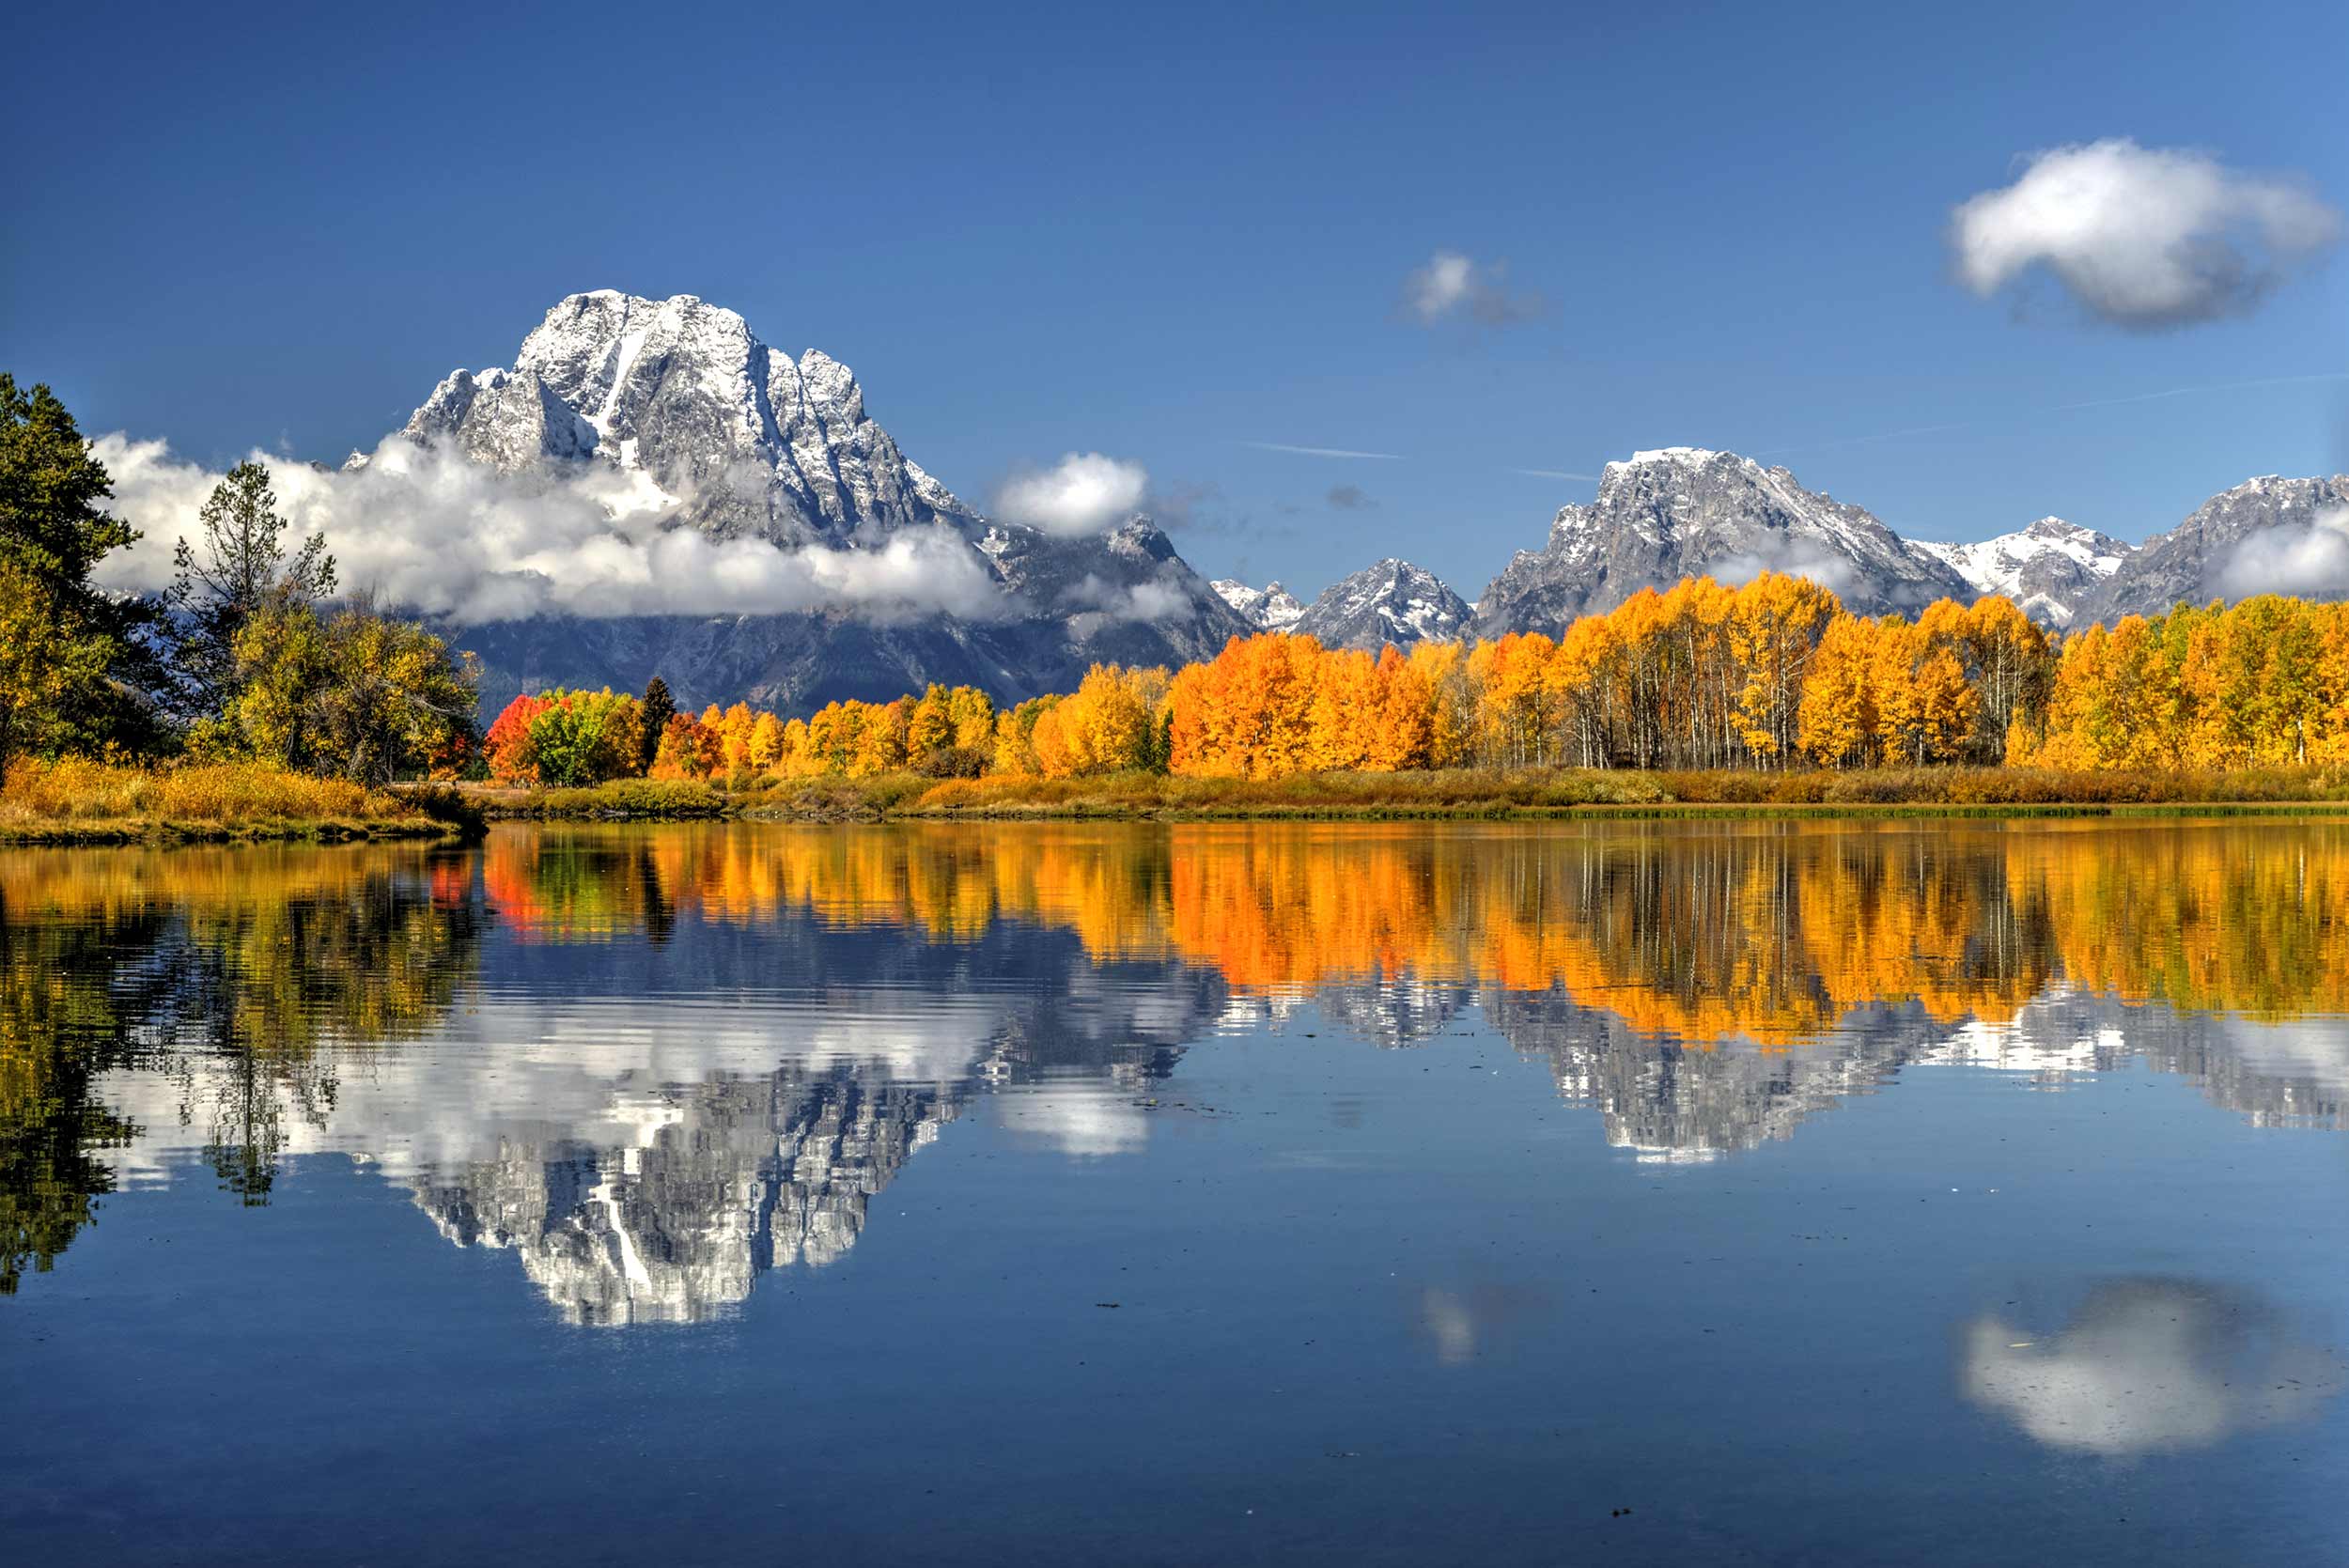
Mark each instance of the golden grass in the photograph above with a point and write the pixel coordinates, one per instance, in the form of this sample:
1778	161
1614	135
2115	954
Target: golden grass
76	799
1442	793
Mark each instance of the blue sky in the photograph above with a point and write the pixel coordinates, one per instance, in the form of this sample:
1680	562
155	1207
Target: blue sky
1164	235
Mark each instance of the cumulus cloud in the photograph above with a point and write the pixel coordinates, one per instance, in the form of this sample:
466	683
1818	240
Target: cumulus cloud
2145	237
1453	285
1082	493
2309	559
436	534
1352	498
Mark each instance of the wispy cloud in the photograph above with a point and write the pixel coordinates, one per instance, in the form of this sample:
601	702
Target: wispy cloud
1322	451
1552	473
1862	441
2204	389
2144	238
2197	391
1455	285
1352	498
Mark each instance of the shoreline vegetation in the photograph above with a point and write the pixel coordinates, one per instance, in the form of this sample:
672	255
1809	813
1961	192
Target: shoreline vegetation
1463	794
83	800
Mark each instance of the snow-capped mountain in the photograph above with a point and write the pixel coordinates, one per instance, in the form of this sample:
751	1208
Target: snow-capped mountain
2049	570
1270	608
679	393
1392	601
2268	534
1685	511
702	426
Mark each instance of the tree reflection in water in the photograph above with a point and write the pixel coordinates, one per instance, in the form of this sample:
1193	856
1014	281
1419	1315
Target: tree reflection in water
664	1061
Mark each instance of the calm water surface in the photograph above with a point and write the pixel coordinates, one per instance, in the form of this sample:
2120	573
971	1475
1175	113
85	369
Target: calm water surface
1774	1193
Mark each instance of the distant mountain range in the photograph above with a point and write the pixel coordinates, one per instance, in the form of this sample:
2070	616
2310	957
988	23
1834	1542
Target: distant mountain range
684	412
1392	601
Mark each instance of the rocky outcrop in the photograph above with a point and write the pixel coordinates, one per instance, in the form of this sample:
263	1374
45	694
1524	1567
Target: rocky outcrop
2264	535
693	422
1270	608
2049	570
1685	511
1392	601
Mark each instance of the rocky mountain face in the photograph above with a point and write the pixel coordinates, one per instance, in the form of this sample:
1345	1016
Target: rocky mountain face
737	436
2049	570
709	429
1392	601
1685	511
2266	535
1270	608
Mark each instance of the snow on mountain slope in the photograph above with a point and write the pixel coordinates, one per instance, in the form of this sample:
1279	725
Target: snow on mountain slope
1270	608
2266	535
1683	511
1391	601
718	433
2049	570
741	438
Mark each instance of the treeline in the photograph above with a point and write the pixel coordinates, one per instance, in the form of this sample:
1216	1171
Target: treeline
1773	675
249	655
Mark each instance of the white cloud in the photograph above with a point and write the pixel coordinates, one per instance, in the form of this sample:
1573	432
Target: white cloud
1828	570
1453	284
2142	237
442	536
1151	600
2310	560
1082	493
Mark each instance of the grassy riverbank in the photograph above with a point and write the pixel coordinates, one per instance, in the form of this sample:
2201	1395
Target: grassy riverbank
81	802
1453	793
77	800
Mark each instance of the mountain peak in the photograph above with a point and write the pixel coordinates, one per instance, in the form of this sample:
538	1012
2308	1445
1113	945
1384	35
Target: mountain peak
738	437
1270	608
1683	511
1390	601
2049	568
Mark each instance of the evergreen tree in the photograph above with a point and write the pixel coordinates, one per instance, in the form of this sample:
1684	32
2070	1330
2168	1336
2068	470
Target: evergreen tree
239	571
660	707
53	530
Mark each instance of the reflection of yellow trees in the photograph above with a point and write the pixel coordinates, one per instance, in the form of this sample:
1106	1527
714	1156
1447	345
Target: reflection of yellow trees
2248	920
252	958
1770	931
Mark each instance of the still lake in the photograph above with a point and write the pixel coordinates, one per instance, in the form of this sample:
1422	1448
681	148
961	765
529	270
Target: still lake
1753	1191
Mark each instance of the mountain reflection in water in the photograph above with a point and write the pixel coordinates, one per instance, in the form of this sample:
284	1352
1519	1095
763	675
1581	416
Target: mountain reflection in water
657	1063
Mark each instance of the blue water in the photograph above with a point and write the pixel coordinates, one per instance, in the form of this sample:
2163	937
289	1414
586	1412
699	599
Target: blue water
764	1234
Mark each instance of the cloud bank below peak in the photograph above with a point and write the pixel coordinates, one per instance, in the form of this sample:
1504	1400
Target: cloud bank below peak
442	536
2140	237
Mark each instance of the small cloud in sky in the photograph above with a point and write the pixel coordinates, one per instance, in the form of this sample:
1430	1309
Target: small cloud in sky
2144	238
1322	451
1453	285
1352	498
1553	474
1082	493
